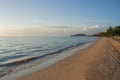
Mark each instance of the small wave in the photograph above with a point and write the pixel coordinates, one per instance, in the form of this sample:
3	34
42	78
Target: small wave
17	62
11	58
35	47
36	51
5	71
7	51
25	60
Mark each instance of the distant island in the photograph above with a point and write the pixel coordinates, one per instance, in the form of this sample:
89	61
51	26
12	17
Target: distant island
76	35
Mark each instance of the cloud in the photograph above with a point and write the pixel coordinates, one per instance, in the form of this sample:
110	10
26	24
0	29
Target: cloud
87	28
94	29
41	31
34	30
97	26
84	28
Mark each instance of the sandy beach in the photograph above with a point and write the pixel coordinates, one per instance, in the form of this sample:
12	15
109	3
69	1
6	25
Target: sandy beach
100	61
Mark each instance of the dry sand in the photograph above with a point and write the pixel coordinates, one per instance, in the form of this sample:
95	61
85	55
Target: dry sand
98	62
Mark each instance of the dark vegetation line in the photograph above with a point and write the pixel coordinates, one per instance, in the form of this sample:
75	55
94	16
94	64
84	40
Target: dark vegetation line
110	32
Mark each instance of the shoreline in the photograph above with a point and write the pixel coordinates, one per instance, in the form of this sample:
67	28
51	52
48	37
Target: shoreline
47	63
97	62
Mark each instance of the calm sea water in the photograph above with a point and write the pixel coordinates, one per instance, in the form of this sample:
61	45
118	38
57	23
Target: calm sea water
16	50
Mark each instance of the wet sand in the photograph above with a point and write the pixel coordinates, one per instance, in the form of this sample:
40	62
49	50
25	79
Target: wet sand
100	61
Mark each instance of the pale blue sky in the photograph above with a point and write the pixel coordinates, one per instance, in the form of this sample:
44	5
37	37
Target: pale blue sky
43	17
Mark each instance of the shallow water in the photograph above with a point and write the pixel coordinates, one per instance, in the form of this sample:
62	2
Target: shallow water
16	51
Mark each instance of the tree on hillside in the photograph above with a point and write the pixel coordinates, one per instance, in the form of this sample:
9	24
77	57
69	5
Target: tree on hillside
110	31
117	30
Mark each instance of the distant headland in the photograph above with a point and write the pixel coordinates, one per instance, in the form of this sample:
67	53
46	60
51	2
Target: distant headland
76	35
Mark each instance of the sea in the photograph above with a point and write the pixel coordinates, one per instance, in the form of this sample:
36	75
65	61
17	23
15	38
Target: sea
17	53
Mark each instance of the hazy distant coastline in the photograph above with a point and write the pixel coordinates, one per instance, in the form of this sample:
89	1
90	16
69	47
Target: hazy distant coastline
78	35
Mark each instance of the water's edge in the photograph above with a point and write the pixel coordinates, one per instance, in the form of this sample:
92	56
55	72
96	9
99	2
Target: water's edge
51	61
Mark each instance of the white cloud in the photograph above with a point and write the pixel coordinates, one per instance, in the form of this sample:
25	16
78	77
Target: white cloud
96	29
84	28
40	31
35	30
97	26
87	28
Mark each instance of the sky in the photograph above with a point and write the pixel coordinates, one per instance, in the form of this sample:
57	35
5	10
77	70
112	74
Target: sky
57	17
